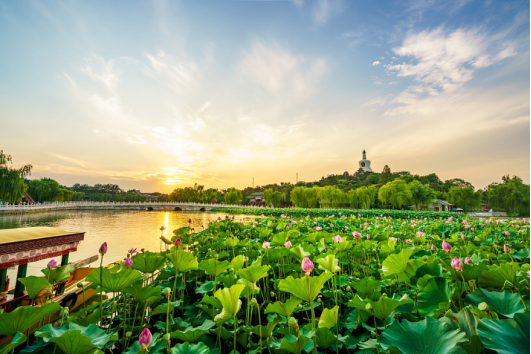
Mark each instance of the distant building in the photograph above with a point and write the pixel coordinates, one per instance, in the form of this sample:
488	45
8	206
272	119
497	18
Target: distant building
441	205
365	165
257	198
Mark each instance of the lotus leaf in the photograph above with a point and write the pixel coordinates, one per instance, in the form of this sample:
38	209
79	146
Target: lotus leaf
24	317
306	288
115	279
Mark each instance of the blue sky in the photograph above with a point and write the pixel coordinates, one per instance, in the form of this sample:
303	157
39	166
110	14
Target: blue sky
159	94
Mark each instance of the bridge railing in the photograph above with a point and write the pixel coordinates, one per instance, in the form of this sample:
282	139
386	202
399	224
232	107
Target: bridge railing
65	205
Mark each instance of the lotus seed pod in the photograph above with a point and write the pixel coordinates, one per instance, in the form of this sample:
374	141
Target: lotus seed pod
349	288
368	307
272	294
128	334
292	321
253	302
166	337
483	306
166	292
79	285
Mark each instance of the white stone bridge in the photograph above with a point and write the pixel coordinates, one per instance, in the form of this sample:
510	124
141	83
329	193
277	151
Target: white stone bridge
148	206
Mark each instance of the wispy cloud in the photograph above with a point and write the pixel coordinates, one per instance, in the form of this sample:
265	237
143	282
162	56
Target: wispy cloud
323	10
100	70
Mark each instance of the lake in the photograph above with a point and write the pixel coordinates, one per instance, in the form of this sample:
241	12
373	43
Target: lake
122	230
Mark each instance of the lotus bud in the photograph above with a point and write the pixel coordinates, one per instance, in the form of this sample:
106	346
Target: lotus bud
506	248
307	265
463	236
162	228
189	221
103	248
457	264
128	262
446	247
469	260
145	339
56	325
178	242
52	264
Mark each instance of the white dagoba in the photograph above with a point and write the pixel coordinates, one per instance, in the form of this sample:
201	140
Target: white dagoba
365	165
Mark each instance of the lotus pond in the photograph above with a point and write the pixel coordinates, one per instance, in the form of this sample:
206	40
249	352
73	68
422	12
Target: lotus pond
294	283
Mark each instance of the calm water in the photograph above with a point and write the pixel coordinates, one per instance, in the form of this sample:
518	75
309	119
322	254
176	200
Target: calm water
122	230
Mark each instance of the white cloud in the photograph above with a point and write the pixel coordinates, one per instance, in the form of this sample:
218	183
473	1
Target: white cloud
100	70
178	74
323	10
281	72
376	63
298	3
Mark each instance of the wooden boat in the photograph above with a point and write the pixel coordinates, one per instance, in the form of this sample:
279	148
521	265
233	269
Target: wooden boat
18	247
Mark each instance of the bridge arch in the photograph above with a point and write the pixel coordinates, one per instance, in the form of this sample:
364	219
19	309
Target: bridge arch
178	209
149	209
202	209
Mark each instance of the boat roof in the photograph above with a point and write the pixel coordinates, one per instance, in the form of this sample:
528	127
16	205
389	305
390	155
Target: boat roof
24	245
31	233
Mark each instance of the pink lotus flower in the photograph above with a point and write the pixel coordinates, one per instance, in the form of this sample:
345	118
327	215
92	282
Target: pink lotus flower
419	234
507	233
145	339
103	248
471	229
409	240
368	236
356	234
131	251
465	222
331	225
446	247
463	236
52	264
469	260
219	218
266	245
528	273
506	248
162	228
178	242
457	264
307	265
338	238
393	238
318	228
128	262
287	244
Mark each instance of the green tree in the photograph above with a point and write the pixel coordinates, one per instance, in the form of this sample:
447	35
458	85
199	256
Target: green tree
232	196
395	193
421	194
464	198
12	179
48	190
512	196
386	176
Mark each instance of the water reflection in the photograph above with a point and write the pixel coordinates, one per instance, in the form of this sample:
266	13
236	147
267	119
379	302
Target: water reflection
122	230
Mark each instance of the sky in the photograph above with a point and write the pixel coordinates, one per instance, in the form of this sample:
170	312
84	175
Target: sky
155	95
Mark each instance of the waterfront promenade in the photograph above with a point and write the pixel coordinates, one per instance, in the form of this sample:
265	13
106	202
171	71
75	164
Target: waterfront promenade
86	205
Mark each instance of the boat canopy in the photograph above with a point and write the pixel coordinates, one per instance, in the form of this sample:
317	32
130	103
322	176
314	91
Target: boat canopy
25	245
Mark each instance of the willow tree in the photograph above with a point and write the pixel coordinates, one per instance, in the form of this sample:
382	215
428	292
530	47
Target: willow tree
11	179
395	193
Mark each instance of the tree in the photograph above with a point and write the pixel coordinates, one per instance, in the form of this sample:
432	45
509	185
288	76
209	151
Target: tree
232	196
464	198
395	193
12	179
386	176
48	190
512	196
421	194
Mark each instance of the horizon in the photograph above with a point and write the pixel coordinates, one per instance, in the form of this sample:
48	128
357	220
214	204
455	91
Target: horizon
168	94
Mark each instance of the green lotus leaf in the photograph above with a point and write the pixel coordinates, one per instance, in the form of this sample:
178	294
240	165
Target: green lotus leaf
266	331
497	276
187	348
504	303
506	336
380	309
230	300
428	336
15	342
397	265
284	309
58	274
296	345
148	262
182	261
163	308
214	267
329	318
141	293
115	279
299	252
367	286
469	271
24	317
435	292
329	263
253	273
306	288
432	269
73	342
34	285
237	262
192	334
231	242
96	335
279	239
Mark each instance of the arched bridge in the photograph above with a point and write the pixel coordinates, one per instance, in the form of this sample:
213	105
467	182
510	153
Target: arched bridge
149	206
